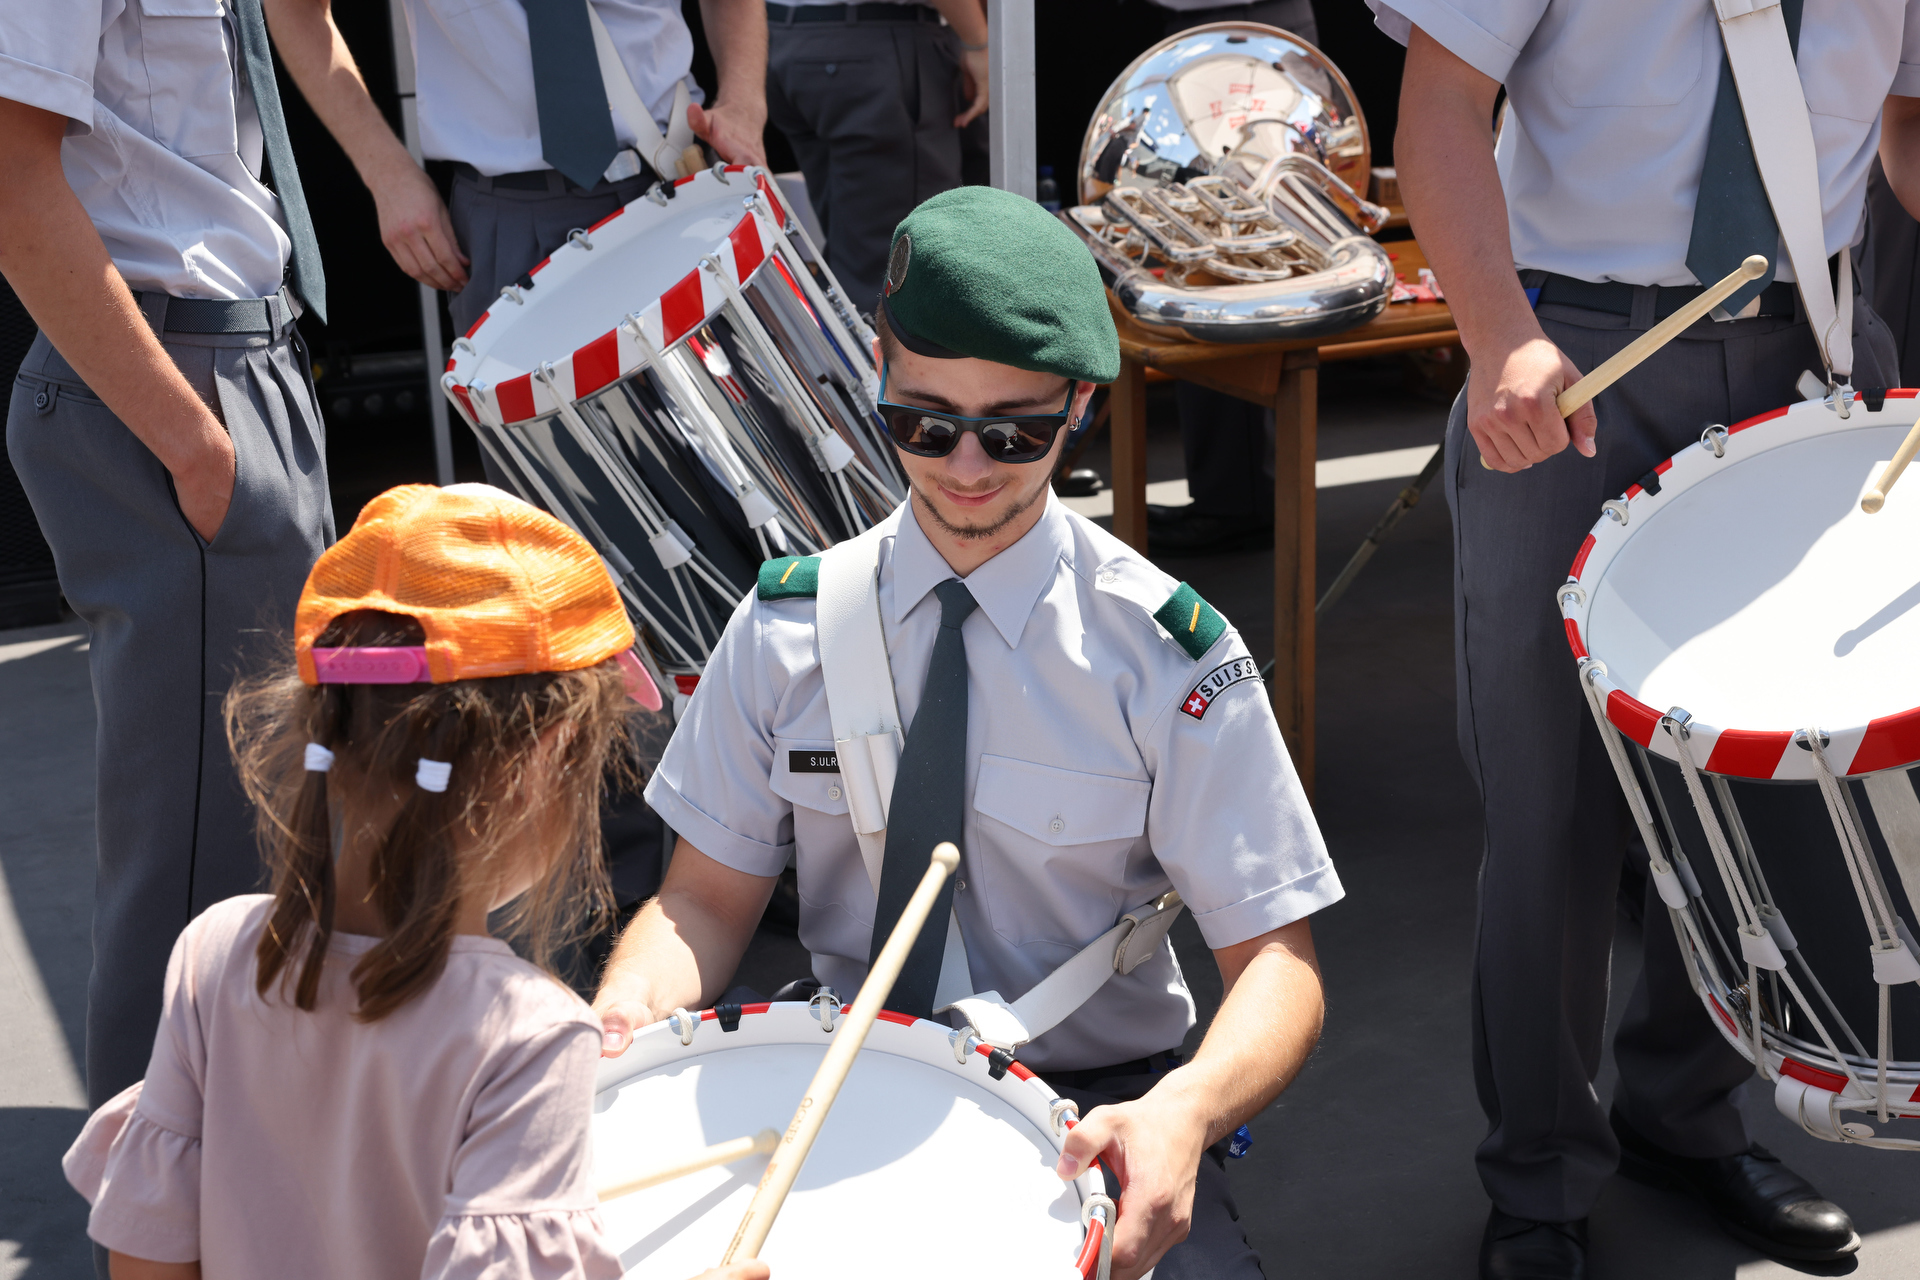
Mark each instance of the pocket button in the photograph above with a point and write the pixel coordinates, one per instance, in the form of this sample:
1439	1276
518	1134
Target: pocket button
40	400
833	793
1058	825
832	67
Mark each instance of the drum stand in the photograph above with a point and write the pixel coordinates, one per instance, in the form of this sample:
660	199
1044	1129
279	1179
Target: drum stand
1814	1084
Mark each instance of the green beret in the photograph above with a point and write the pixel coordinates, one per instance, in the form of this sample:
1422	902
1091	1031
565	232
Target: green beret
981	272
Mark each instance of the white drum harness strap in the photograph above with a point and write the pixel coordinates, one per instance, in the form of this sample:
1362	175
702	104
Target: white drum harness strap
867	736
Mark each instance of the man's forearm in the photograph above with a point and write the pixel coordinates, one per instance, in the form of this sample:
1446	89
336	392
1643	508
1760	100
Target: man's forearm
317	58
1444	154
1262	1036
683	945
737	35
1900	150
966	17
57	265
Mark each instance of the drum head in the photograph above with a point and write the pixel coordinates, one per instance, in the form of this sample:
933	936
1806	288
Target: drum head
914	1148
1752	591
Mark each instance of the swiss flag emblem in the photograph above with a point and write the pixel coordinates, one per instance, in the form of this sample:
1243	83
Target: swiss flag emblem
1195	705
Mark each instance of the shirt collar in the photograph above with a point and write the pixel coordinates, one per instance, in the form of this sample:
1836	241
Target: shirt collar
1005	587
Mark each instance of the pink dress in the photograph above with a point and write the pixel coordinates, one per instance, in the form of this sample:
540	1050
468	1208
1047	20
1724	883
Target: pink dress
449	1139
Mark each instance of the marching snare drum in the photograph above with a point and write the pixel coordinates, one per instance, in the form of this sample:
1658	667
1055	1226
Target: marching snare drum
1739	624
683	383
928	1163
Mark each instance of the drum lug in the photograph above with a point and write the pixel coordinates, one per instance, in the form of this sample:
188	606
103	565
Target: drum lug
1572	594
1715	438
1617	508
684	1024
1800	739
580	237
1676	721
660	193
512	291
1063	1114
965	1044
825	1007
719	171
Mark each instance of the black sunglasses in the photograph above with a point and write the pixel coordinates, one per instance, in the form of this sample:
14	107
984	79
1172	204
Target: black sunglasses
1006	438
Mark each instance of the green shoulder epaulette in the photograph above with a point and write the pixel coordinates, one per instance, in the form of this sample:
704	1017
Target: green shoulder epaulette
790	578
1193	622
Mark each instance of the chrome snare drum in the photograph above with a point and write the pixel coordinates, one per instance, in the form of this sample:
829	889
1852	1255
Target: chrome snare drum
684	384
1747	640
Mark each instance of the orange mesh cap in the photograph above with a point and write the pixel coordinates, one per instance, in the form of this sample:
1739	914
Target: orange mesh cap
500	587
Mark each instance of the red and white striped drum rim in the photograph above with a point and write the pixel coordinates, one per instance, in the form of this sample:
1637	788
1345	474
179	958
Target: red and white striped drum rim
865	1188
579	316
1744	584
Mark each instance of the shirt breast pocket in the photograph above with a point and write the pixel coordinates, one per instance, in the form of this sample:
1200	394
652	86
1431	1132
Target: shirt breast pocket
1052	848
807	774
190	69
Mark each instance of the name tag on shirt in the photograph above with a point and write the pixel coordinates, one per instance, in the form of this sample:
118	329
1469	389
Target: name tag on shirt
813	762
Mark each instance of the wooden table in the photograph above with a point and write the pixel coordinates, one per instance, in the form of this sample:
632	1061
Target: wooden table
1283	376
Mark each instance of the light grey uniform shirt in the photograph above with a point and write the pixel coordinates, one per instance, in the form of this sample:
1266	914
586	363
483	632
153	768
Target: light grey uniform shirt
473	71
1104	766
163	144
1602	148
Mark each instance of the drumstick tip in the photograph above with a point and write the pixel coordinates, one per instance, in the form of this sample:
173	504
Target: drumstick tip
1873	501
1754	267
945	856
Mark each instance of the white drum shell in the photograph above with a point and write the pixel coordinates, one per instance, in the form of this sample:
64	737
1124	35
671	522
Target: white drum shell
924	1164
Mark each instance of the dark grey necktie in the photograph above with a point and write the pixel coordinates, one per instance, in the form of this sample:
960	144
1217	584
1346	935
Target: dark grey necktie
928	805
1731	216
308	279
576	128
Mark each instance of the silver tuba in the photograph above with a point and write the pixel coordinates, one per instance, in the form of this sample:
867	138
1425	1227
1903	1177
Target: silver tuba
1217	187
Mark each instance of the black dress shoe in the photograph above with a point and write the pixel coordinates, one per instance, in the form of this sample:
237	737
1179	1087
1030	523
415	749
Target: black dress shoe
1756	1198
1521	1249
1187	532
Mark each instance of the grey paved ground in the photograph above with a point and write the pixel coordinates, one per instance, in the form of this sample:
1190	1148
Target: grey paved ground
1363	1169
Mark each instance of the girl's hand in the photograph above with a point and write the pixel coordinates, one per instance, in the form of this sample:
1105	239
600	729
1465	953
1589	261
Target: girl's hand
122	1266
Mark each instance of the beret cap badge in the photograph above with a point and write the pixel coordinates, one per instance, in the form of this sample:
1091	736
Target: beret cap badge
897	262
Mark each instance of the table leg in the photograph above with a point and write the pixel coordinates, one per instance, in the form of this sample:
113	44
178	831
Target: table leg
1295	421
1127	432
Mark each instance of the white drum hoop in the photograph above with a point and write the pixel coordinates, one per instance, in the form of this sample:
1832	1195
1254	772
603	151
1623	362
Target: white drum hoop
1818	1079
934	1057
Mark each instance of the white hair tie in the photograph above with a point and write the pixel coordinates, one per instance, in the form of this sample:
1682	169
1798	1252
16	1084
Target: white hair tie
432	775
319	759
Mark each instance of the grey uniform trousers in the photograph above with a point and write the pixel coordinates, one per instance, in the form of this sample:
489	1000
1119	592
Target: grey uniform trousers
1556	824
868	108
172	619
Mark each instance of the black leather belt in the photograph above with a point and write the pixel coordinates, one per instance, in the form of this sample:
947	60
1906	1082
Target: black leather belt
167	314
1615	298
1151	1065
548	180
787	15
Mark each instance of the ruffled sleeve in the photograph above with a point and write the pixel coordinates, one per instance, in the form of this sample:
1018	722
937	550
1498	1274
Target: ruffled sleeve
555	1244
522	1201
143	1180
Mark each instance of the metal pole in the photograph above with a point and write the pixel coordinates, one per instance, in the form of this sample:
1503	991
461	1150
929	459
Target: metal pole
1015	158
430	336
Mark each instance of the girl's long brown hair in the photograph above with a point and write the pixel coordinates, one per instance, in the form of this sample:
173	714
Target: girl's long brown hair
531	757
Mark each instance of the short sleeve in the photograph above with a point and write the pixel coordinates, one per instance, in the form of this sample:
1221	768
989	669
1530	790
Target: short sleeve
1228	818
711	785
47	54
1487	35
1906	79
522	1201
138	1158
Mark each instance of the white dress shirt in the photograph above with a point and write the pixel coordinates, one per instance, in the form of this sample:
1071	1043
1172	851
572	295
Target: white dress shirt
473	72
163	144
1601	153
1096	778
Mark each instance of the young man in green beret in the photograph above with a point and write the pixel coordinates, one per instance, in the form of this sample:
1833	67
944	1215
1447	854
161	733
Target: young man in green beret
1088	731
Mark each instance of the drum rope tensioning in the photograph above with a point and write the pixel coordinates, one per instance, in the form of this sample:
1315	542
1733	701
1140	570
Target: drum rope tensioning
1742	586
685	384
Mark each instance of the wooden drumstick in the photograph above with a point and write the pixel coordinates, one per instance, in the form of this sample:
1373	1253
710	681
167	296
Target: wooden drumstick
1616	366
798	1139
760	1144
1876	497
692	160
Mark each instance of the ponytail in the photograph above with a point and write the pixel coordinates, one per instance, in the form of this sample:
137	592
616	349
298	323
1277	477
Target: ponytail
303	889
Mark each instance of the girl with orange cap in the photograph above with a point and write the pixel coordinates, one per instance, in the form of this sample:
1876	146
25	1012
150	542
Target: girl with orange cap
353	1075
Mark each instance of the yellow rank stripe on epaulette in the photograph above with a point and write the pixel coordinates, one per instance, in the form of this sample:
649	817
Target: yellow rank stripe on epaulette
790	578
1191	621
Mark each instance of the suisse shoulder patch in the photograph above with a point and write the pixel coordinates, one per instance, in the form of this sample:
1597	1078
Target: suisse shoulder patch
790	578
1193	622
